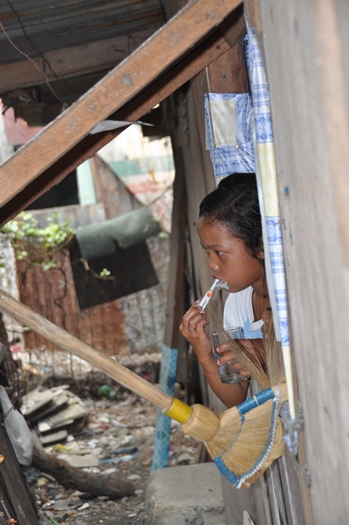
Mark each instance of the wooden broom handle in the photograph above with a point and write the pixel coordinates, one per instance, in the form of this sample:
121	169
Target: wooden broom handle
73	345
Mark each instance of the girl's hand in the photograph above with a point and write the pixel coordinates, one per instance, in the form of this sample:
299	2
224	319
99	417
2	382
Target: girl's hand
193	329
225	355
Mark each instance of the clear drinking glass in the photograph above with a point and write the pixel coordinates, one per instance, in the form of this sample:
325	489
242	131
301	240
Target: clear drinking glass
227	372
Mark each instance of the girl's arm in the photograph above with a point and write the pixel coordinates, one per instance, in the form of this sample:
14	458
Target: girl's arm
193	328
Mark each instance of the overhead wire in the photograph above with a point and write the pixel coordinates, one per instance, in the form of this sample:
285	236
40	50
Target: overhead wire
45	61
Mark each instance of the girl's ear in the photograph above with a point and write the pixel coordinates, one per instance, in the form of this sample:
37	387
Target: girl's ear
261	251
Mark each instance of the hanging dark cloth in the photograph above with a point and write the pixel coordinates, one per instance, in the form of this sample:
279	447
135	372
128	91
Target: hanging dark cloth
119	246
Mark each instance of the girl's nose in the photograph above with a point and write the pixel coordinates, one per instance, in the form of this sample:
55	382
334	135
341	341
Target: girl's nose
212	264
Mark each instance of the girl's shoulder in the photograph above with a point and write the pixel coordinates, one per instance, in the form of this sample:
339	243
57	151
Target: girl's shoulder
238	308
242	299
238	311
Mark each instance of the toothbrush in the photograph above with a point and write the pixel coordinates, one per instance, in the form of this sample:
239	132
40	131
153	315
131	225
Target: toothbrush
204	301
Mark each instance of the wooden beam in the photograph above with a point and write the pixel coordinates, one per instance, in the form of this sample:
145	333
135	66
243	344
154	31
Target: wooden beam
229	72
233	29
69	62
140	82
14	485
176	289
253	16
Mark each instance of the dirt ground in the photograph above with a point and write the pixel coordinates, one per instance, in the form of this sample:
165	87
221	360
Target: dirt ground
120	434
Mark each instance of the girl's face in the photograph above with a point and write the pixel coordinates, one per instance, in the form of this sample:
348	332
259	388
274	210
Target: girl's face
228	259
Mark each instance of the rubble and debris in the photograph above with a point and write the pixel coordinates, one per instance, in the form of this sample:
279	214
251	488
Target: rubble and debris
119	434
108	437
54	437
53	409
111	484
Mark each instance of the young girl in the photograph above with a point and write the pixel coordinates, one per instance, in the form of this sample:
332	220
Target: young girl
230	232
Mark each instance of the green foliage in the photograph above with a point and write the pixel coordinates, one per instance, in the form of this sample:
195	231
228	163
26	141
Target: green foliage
37	246
105	273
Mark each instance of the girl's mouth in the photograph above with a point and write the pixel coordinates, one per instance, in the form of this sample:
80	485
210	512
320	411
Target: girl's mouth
223	284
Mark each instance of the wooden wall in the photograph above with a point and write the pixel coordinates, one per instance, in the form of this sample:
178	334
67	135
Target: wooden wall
305	48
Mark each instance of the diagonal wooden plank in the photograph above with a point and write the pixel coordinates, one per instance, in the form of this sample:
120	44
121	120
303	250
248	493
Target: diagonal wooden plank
23	182
117	88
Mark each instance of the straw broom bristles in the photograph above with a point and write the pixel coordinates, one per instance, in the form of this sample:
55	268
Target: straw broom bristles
249	442
254	431
242	445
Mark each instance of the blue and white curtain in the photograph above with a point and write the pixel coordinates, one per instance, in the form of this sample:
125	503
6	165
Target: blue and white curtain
229	133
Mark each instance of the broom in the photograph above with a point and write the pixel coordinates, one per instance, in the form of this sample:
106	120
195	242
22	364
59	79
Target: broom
242	442
261	433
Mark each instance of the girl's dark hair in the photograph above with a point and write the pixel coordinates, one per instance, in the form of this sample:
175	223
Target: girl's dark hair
234	203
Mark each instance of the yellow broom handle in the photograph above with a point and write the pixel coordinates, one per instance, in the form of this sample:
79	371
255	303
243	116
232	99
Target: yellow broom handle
71	344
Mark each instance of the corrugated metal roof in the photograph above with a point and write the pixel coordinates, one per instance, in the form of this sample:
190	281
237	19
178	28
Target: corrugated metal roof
38	26
50	32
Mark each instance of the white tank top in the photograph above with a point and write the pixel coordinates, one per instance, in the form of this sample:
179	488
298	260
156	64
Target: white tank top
238	311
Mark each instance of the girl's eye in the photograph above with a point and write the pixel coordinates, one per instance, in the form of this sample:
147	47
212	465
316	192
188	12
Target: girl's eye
217	252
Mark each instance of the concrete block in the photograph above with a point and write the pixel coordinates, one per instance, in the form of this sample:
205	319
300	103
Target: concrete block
185	495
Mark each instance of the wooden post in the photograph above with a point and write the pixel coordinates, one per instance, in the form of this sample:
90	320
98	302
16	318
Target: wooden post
177	260
13	484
